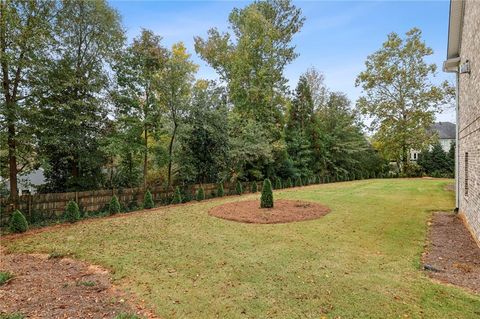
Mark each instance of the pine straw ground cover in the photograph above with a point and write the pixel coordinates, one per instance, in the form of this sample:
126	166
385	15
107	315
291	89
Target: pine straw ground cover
362	260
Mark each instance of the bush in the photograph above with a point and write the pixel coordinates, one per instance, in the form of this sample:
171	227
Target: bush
413	170
239	188
278	183
266	200
289	182
200	194
220	191
114	206
72	212
177	196
317	180
148	200
18	222
253	188
298	182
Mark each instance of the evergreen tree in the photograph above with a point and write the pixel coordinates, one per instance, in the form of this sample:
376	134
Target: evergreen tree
200	194
278	183
254	187
239	188
289	182
18	222
72	212
266	200
220	191
114	206
298	181
148	200
177	196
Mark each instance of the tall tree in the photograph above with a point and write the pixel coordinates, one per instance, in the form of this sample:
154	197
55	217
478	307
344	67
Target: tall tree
136	97
252	58
203	142
25	29
88	35
399	96
174	84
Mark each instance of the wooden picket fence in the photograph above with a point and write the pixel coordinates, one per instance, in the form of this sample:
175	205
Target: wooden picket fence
54	204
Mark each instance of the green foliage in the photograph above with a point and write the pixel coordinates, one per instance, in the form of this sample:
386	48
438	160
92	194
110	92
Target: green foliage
289	182
148	200
220	190
278	183
266	200
298	181
239	188
18	222
200	194
5	276
399	95
11	316
436	163
114	206
253	188
318	180
127	316
177	196
72	212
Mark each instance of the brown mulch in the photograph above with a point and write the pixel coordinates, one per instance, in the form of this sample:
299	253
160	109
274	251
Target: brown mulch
284	211
452	255
61	288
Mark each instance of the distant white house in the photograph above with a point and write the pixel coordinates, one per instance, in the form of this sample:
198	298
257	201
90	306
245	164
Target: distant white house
446	137
28	183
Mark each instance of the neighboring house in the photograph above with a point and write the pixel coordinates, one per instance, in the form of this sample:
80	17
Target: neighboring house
28	183
446	137
463	58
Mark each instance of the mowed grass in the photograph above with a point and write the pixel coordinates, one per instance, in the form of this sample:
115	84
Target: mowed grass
360	261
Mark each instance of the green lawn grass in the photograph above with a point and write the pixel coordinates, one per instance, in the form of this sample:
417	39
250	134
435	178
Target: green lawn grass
360	261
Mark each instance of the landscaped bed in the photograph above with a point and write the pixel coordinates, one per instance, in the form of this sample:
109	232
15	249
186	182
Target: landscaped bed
284	211
362	260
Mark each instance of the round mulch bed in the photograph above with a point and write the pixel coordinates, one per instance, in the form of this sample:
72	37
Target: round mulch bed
284	211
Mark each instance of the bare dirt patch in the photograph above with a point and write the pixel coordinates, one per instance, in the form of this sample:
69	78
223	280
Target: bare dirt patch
44	287
284	211
452	255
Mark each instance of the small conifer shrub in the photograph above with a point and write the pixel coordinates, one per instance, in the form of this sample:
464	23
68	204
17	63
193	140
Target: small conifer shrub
266	200
148	200
72	212
177	196
298	182
18	222
114	206
317	180
254	187
278	183
220	191
289	182
239	188
200	194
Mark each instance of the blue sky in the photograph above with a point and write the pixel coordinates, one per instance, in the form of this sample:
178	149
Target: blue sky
336	38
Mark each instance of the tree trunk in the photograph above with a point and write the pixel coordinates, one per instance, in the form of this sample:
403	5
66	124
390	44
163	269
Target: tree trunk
12	162
170	150
145	160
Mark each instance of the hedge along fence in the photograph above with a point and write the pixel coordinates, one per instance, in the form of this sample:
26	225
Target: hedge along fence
53	205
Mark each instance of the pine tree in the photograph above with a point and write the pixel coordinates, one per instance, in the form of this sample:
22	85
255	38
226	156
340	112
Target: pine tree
289	183
220	191
148	200
266	200
18	222
239	188
177	197
278	183
114	206
72	212
200	194
254	187
298	182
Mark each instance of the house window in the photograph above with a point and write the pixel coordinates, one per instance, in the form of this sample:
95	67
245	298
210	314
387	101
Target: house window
466	174
415	156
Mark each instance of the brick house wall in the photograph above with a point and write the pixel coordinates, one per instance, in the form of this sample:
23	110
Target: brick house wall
469	119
